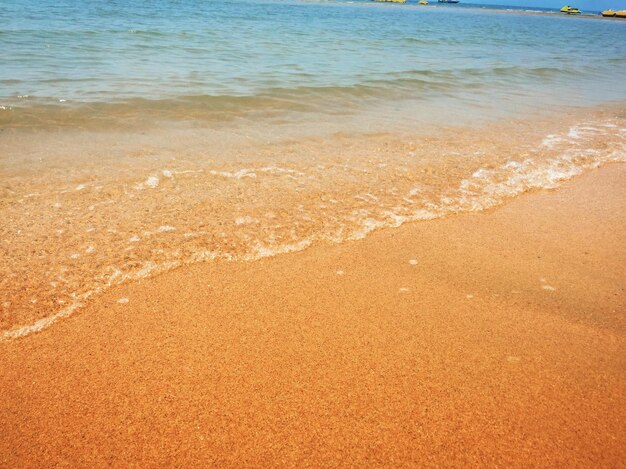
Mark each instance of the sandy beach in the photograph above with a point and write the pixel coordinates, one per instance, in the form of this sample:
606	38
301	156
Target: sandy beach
483	339
311	234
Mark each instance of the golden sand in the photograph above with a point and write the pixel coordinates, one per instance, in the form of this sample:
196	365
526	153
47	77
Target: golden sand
488	339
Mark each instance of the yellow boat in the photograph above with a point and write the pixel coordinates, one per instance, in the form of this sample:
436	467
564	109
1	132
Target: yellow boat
570	10
423	2
608	13
391	1
621	14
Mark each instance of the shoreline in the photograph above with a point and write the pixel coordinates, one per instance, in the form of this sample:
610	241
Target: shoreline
524	185
92	215
474	338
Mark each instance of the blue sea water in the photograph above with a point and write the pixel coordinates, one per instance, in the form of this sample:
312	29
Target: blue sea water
211	59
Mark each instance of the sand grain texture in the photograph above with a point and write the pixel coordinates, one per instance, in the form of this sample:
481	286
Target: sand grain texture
502	345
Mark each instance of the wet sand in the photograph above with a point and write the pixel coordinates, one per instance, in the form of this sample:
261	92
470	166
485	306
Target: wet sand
493	338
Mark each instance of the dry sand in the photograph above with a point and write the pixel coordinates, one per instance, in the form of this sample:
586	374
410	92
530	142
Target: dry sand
486	339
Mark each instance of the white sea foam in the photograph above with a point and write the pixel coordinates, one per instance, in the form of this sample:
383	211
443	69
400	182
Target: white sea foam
574	133
208	255
278	170
152	182
246	220
416	190
37	326
242	173
484	188
252	173
117	277
367	197
551	141
261	251
367	226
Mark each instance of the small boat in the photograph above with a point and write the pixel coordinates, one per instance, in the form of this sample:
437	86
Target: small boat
391	1
570	10
423	2
620	14
608	13
448	1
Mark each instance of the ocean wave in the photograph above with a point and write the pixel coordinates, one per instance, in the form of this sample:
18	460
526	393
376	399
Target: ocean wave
118	112
483	188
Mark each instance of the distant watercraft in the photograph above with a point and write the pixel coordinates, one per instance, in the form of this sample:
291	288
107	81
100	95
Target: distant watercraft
423	2
448	1
621	14
391	1
608	13
570	10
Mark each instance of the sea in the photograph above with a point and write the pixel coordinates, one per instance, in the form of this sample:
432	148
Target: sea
140	137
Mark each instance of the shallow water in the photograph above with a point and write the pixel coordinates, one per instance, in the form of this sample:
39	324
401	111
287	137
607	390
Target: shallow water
138	139
92	63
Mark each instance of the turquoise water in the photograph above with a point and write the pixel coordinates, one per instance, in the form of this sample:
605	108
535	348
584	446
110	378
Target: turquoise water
212	59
